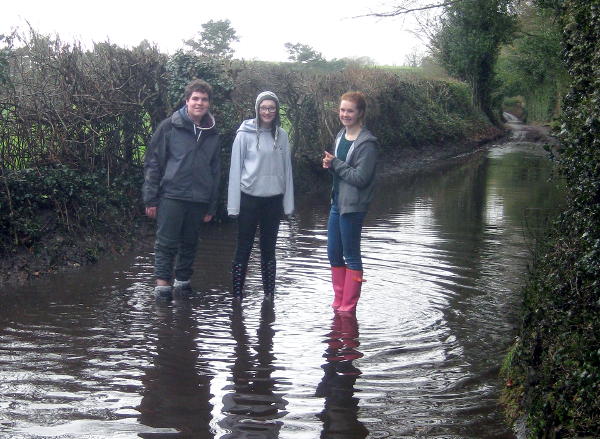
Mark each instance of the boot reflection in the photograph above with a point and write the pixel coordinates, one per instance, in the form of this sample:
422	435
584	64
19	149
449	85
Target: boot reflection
252	406
340	415
176	391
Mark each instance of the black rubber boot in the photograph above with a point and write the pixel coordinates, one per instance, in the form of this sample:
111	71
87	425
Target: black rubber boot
268	270
238	277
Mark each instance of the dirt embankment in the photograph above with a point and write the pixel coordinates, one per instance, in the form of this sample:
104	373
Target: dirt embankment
413	159
58	252
409	160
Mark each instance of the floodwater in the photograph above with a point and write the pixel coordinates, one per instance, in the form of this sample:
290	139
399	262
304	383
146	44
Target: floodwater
89	354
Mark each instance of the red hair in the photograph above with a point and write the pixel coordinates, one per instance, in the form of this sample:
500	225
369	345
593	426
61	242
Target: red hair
358	98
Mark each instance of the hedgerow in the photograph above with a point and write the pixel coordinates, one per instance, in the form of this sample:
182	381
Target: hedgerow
75	124
554	370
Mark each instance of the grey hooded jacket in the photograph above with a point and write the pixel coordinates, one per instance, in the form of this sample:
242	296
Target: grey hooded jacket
357	173
183	162
261	163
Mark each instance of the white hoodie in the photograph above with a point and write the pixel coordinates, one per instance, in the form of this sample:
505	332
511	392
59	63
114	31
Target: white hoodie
260	167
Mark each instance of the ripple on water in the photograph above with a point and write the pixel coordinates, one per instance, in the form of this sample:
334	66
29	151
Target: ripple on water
90	354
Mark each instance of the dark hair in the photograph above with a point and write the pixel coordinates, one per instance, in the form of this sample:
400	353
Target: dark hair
197	85
358	98
277	120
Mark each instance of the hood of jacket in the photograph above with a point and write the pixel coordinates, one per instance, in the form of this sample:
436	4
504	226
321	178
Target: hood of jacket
181	119
251	126
264	96
248	126
365	135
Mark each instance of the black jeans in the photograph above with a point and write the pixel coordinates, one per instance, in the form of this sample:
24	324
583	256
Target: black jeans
262	212
177	230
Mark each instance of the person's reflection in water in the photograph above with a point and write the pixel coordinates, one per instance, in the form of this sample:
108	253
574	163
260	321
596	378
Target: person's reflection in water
340	415
177	392
252	406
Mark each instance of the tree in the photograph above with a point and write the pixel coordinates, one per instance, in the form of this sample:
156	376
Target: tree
556	361
215	39
360	61
413	58
5	48
145	46
303	54
468	39
468	42
403	7
532	65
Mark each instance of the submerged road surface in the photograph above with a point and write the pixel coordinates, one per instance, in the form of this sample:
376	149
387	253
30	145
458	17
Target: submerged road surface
91	355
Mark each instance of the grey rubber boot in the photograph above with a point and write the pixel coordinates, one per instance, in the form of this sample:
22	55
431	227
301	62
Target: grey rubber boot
182	288
163	293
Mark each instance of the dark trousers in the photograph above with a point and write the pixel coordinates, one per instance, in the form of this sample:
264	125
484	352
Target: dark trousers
263	213
178	225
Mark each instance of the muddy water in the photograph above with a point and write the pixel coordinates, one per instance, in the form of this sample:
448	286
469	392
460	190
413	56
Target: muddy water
91	355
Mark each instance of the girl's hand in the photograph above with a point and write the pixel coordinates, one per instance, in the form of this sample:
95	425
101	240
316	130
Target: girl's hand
151	212
327	159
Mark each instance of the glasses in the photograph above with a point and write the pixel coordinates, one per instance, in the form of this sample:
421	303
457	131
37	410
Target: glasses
268	109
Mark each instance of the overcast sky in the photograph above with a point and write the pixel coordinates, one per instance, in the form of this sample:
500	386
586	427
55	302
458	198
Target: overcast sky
262	26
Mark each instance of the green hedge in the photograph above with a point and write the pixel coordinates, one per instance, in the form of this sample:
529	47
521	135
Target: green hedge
75	124
554	368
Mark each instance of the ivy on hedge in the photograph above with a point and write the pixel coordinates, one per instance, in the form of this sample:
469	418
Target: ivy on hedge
556	362
37	202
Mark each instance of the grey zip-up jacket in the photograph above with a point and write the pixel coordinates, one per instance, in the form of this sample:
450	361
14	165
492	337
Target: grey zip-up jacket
183	162
260	166
357	173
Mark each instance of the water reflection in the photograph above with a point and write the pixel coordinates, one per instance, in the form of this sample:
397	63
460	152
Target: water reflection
89	354
340	415
252	403
177	388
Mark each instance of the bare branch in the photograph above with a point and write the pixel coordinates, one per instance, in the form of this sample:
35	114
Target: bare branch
403	10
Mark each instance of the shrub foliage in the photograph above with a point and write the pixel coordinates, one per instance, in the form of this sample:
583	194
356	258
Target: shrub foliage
555	366
75	124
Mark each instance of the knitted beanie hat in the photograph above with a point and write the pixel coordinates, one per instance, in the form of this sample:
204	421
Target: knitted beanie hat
277	121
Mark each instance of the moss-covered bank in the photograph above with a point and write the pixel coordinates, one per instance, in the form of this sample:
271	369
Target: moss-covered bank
553	369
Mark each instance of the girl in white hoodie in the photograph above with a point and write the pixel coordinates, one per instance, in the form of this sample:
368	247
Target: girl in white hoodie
261	189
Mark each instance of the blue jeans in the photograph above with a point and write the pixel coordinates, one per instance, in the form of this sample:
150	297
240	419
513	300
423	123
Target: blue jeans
343	238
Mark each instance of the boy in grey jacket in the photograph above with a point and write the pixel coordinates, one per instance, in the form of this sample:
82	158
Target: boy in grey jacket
181	184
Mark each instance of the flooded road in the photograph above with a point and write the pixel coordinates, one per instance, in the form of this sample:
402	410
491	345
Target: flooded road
91	355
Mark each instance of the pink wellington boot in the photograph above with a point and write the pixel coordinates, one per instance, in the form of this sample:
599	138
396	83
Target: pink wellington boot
338	276
352	284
